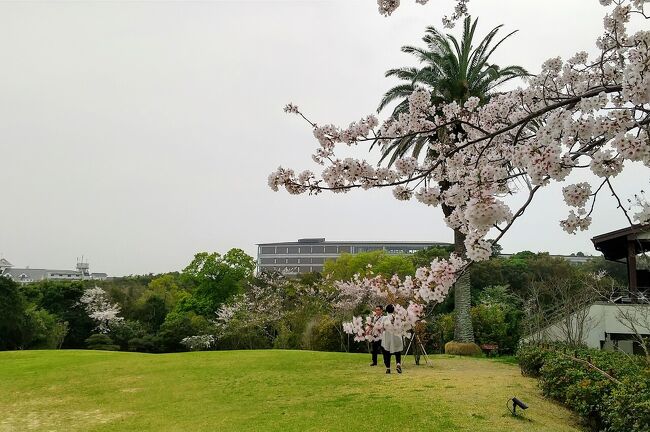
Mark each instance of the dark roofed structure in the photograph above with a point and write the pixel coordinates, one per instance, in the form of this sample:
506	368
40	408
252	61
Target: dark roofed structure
624	245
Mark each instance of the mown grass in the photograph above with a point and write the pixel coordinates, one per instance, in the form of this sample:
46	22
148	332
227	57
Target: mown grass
262	391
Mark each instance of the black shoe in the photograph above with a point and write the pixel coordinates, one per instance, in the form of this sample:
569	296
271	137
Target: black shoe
399	369
373	364
387	371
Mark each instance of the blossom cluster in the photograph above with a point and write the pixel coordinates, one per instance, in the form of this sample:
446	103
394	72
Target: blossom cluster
387	7
199	342
583	113
577	195
259	306
643	206
100	309
400	323
429	286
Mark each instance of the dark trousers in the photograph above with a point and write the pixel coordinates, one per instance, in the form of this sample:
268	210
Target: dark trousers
387	354
376	349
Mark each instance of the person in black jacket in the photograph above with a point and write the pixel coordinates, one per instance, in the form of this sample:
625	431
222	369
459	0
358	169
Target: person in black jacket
370	330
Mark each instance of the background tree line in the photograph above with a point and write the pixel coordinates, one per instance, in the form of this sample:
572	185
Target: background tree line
158	312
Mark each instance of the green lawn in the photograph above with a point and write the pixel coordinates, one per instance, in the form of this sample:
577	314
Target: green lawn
263	391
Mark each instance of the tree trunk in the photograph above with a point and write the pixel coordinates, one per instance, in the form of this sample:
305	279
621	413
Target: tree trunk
463	330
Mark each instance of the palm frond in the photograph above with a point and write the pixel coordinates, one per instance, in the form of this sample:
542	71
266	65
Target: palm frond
453	70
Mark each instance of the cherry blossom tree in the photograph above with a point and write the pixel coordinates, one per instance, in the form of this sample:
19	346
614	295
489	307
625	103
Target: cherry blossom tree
584	113
452	71
410	296
100	309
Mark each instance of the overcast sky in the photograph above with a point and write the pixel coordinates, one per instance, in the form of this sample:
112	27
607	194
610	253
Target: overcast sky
139	133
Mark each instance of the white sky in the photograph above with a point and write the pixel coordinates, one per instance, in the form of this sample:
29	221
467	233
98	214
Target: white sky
139	133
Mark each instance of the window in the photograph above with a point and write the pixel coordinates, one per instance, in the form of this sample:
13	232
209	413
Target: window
331	249
304	260
344	249
267	249
292	260
318	260
281	250
293	249
305	249
317	249
267	261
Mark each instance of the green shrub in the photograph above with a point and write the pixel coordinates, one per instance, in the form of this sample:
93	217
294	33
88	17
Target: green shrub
123	331
100	341
618	404
587	398
286	338
628	405
179	325
558	374
462	348
323	334
531	358
490	325
147	343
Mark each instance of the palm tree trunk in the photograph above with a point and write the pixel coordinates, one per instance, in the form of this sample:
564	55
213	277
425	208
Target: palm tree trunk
463	330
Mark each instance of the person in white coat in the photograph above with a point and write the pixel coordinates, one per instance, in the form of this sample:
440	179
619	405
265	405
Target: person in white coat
391	343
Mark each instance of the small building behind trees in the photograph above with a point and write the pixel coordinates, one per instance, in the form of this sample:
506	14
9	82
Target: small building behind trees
617	318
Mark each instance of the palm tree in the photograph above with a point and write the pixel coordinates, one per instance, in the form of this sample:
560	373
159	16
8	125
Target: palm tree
451	71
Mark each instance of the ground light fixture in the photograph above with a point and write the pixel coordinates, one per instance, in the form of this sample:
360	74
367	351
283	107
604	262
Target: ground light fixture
515	403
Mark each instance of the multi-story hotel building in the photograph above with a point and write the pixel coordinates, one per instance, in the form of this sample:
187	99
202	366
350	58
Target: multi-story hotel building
309	254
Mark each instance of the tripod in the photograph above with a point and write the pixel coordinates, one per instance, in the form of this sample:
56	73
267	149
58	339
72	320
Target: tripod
419	346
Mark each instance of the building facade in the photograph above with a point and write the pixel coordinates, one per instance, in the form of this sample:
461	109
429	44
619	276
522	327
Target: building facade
30	275
309	254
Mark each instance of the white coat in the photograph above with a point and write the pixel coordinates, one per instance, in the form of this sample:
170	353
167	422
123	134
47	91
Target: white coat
390	341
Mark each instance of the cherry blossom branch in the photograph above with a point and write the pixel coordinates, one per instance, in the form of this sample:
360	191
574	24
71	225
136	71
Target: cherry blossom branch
618	200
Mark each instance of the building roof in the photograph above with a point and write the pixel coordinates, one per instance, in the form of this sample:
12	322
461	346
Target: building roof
37	274
614	245
30	274
5	263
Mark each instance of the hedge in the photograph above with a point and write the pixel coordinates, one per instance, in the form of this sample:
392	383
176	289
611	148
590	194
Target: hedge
609	390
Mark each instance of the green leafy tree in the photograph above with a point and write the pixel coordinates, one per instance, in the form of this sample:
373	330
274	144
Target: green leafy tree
46	330
62	299
151	312
167	287
614	269
214	279
453	71
178	326
377	262
423	258
123	331
13	316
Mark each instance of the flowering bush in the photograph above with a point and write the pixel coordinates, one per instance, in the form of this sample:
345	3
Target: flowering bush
100	309
410	295
199	343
